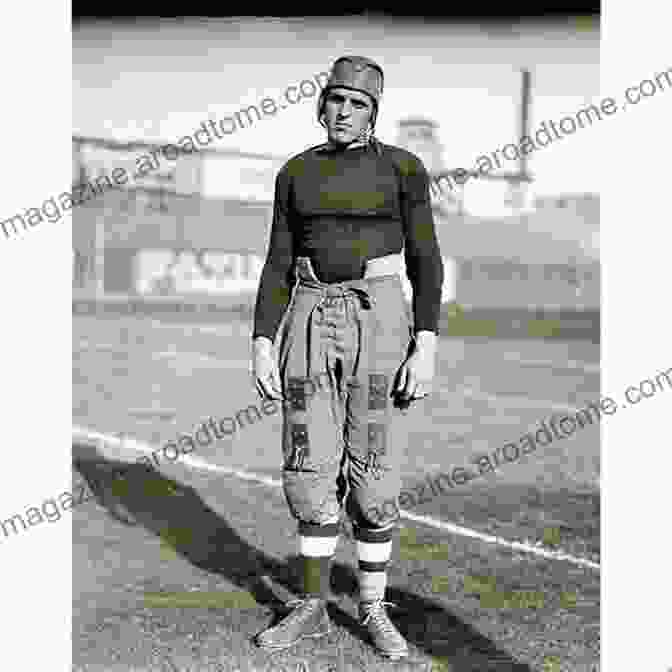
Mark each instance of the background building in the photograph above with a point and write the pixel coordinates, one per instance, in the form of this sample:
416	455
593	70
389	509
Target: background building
194	231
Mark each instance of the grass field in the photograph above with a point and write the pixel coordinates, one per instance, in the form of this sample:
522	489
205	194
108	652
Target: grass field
176	568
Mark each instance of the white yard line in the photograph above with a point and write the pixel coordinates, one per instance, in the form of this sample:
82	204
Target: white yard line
84	434
491	539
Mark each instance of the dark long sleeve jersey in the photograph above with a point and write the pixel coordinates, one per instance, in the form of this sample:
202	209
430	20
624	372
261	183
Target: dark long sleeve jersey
342	207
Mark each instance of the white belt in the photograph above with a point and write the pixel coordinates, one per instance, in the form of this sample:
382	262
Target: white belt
390	264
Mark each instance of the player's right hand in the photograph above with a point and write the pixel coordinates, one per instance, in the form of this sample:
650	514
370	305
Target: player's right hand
265	373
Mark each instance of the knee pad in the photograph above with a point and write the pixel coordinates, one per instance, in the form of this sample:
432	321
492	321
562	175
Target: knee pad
376	516
306	501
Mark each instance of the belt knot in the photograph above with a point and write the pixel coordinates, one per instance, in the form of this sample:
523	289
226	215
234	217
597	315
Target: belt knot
332	292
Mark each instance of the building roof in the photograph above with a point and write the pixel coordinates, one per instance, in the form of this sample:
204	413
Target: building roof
137	145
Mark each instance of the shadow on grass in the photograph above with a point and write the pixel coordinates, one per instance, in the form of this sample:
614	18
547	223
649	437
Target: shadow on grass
136	494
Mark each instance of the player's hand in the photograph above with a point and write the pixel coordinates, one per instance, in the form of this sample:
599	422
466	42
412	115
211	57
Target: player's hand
416	374
265	373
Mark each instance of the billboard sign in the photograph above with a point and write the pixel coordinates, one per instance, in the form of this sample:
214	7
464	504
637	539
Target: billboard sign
145	166
169	272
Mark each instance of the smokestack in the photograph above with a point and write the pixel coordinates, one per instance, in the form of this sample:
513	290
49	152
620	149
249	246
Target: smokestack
524	117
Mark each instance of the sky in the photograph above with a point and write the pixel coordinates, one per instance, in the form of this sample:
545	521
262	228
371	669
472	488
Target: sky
159	80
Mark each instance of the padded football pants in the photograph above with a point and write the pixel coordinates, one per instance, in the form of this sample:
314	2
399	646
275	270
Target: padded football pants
341	348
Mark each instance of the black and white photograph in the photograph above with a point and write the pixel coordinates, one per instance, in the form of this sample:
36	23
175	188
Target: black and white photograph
338	328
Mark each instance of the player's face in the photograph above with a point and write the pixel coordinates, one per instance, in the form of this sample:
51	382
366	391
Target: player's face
346	114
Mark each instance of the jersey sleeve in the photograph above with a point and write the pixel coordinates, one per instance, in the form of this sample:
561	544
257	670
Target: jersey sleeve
424	264
276	283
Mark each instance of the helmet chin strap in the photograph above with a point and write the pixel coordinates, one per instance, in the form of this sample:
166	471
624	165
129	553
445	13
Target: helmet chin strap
369	136
365	135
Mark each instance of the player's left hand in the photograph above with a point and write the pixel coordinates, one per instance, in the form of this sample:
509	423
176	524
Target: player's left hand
416	374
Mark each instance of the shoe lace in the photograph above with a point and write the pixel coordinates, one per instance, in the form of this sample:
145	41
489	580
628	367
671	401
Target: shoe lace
375	612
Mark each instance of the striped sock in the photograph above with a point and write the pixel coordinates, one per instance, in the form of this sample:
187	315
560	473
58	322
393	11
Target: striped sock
374	548
317	544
